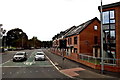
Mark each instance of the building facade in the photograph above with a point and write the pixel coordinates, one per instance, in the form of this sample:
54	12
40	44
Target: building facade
84	39
111	31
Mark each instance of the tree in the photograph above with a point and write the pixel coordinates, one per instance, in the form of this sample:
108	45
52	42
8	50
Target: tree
17	38
46	44
34	42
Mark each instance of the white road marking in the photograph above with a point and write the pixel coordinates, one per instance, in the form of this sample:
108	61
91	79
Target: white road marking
58	68
6	61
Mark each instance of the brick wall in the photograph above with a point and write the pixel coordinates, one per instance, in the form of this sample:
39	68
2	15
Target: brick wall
86	38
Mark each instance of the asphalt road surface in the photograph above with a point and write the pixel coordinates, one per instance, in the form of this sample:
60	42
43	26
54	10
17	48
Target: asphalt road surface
30	68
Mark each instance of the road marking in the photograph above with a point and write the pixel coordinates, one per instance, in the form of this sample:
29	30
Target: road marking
6	62
58	68
72	72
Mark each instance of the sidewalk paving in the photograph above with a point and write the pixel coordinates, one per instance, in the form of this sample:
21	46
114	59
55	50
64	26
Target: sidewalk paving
75	69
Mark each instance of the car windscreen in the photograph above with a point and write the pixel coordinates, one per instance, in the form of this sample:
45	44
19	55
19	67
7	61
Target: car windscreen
39	54
19	54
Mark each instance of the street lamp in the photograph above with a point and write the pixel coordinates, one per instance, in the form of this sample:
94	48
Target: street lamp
102	56
2	32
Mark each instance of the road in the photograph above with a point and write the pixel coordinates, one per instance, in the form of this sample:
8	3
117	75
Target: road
29	69
53	68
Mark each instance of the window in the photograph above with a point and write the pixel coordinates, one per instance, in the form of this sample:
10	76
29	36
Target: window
75	40
112	34
109	29
75	50
69	41
95	27
95	40
108	17
105	27
112	16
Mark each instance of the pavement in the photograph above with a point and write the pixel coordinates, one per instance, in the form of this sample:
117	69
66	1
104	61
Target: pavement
77	70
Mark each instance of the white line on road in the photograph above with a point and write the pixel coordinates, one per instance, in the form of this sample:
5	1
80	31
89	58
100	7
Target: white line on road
6	62
58	68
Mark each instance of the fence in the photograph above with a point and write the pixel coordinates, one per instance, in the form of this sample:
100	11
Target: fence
97	60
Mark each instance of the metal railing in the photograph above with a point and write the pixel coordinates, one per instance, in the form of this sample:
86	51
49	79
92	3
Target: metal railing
97	60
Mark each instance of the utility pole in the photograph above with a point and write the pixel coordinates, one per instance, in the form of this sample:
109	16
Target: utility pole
102	56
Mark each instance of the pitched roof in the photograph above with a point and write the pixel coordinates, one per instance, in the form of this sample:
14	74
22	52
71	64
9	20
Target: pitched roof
81	27
69	30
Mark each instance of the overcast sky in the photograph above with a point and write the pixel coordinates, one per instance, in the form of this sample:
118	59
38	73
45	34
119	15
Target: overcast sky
46	18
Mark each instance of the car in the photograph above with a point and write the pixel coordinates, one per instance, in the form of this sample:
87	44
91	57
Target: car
20	56
39	56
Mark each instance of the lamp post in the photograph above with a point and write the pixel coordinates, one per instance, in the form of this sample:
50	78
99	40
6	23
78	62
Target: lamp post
2	32
0	38
102	54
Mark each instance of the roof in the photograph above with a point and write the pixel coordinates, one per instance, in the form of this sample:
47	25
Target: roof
81	27
110	5
64	33
68	31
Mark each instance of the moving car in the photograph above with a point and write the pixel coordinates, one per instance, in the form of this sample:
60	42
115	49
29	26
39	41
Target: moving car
39	56
20	56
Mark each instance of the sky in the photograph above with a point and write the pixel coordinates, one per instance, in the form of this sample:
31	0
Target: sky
46	18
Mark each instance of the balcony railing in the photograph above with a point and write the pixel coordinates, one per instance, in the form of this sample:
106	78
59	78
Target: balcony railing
97	60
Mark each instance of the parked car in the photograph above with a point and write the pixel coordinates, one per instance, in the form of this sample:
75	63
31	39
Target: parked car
39	56
20	56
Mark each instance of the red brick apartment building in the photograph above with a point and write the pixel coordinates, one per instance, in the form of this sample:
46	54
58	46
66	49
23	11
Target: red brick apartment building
82	43
111	30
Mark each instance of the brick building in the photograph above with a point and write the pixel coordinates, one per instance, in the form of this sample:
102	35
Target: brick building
82	39
82	43
111	30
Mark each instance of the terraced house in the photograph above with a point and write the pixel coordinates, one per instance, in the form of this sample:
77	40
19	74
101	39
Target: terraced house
82	43
79	40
